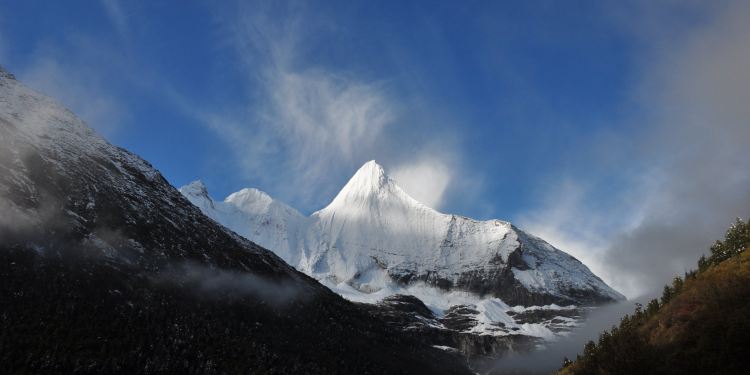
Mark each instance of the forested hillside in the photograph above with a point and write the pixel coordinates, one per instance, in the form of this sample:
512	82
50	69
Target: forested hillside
700	325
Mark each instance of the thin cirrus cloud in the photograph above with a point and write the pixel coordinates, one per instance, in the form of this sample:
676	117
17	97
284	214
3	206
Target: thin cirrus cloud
88	72
117	16
78	74
313	125
692	175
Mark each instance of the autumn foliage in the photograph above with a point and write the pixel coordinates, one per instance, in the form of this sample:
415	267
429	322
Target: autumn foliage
701	325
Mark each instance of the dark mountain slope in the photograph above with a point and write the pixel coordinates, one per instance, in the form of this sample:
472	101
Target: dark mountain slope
105	267
700	326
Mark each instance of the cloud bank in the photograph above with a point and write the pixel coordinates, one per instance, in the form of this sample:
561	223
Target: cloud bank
684	175
425	180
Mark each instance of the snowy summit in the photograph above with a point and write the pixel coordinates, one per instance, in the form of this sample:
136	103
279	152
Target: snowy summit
374	239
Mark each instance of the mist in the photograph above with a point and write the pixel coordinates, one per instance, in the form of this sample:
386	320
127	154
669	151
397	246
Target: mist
214	282
550	358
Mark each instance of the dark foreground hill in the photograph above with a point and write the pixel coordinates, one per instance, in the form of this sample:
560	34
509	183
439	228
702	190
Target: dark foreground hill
701	325
105	267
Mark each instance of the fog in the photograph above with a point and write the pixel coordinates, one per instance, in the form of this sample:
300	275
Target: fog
640	205
213	282
550	358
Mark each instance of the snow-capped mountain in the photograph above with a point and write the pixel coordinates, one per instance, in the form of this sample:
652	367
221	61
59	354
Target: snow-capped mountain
254	215
374	238
106	268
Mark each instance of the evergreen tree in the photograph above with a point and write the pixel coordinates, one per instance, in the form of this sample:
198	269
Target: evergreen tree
667	294
677	284
736	239
703	263
652	307
699	326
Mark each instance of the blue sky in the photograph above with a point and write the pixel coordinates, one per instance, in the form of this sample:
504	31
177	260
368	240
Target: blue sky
498	79
559	116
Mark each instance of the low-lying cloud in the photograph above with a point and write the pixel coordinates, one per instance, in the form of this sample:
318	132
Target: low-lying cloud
214	282
78	74
550	358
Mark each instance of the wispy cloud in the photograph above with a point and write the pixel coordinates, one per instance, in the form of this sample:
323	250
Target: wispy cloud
304	122
117	16
305	125
693	176
213	282
79	75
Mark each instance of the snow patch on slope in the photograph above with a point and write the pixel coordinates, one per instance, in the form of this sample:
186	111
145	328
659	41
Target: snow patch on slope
491	311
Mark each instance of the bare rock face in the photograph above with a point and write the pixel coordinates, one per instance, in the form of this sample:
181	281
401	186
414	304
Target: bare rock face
449	332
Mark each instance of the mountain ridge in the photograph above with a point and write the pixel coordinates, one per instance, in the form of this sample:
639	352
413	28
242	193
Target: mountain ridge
373	237
107	268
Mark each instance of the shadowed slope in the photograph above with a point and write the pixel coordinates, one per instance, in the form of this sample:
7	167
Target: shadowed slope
105	267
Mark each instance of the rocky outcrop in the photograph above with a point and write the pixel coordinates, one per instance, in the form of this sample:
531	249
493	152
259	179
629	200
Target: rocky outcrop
449	332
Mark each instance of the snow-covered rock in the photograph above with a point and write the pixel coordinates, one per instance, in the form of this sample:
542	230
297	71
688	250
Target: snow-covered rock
253	214
375	239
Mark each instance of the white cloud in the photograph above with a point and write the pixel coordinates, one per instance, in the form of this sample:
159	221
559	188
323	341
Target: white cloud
77	77
306	127
425	179
694	177
323	120
564	221
117	16
98	109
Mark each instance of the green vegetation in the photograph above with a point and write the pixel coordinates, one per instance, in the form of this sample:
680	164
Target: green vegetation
701	324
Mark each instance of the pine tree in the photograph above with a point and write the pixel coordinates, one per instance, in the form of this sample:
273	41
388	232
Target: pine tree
736	239
652	307
677	284
703	263
667	294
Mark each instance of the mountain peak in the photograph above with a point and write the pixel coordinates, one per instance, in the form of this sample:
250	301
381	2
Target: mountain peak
250	199
249	193
197	193
369	181
197	188
372	165
370	176
370	188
